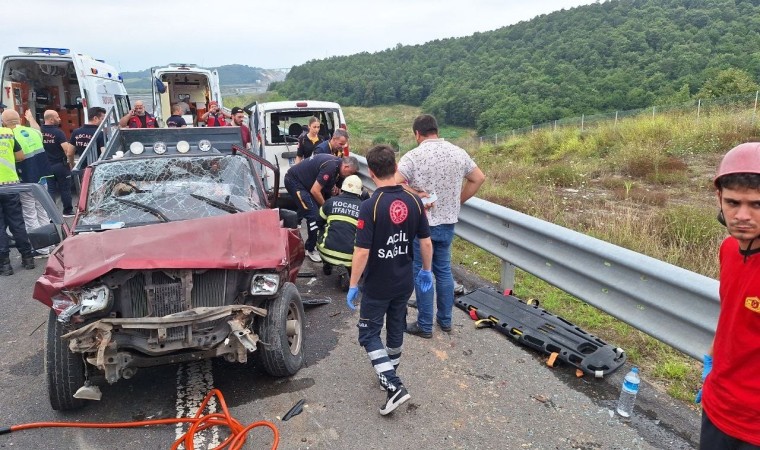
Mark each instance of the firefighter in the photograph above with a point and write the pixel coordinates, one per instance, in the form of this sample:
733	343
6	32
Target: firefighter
337	220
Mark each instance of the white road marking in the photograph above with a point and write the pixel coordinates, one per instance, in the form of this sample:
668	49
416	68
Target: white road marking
194	381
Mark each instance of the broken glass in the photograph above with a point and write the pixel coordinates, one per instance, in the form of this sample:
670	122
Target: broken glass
153	190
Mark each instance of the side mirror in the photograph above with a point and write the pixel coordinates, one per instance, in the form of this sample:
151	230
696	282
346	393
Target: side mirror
45	236
289	218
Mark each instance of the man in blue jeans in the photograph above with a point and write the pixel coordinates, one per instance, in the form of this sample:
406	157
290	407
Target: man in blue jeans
435	171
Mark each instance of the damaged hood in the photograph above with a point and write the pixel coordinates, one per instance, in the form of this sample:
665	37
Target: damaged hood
243	241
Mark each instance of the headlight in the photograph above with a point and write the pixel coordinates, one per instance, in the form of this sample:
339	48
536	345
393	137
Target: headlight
159	148
265	284
94	299
136	148
204	145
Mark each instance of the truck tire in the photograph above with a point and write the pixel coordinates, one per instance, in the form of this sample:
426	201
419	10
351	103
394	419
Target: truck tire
282	333
65	370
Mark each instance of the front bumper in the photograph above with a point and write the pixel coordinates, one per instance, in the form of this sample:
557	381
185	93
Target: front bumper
117	346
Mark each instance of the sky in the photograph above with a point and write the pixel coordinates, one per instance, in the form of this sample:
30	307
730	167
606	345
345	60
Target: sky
137	35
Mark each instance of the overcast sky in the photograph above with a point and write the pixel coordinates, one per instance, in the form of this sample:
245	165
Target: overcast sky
135	35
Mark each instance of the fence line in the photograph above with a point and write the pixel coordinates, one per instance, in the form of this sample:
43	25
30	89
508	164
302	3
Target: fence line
584	122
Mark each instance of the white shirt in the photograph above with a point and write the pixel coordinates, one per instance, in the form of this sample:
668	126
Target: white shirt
438	166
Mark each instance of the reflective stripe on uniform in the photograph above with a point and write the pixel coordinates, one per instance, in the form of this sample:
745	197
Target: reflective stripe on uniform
348	219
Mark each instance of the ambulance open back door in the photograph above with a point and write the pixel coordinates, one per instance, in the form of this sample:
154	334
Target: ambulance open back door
186	84
42	78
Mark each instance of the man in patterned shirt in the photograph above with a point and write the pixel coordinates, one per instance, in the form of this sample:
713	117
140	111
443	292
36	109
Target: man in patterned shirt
435	170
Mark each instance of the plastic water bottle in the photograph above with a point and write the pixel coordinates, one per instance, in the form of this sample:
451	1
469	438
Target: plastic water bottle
628	393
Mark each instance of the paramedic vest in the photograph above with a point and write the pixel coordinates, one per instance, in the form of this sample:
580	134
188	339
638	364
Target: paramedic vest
7	160
150	122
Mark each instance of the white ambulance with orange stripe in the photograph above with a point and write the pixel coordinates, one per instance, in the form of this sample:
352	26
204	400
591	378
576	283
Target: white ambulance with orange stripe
41	78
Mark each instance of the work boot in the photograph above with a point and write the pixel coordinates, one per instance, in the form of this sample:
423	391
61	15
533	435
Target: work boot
5	266
27	262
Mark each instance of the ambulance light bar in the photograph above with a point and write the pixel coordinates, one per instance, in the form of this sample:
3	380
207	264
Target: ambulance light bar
46	50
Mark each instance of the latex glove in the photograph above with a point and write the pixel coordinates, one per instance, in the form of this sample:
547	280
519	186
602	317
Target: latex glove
425	280
707	362
353	292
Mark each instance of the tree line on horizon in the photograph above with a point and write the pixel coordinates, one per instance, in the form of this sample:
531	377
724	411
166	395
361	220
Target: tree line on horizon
615	55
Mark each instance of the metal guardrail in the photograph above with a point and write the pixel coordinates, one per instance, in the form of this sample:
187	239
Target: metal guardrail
669	303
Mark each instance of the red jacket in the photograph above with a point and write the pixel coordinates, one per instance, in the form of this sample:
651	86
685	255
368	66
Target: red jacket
150	122
215	121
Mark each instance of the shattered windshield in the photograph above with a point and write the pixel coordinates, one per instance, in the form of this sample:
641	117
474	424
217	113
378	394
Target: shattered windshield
151	190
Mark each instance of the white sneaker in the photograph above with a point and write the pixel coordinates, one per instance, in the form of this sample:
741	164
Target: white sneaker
314	256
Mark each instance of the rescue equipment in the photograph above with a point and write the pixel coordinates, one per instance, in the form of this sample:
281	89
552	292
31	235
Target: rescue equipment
542	331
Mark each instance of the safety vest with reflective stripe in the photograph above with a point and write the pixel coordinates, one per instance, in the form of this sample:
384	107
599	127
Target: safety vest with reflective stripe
30	140
35	165
7	160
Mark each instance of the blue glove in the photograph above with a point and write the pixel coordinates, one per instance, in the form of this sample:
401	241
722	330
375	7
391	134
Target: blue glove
425	280
353	292
706	368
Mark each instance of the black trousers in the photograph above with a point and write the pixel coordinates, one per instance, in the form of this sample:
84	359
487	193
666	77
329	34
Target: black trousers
60	184
12	217
713	439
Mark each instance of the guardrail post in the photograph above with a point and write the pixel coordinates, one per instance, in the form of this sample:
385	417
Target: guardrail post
507	280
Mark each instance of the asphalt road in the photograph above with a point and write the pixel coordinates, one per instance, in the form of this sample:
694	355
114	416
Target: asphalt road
471	389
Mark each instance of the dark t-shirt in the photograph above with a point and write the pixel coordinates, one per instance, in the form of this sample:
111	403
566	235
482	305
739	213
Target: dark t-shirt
52	138
323	148
82	136
306	146
175	122
388	223
245	135
323	169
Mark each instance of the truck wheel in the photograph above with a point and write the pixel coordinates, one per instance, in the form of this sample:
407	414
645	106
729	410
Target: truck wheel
282	333
64	369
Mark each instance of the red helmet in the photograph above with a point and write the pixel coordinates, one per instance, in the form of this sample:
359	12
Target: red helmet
744	158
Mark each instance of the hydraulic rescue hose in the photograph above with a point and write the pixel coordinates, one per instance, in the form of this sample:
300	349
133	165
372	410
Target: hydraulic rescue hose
235	441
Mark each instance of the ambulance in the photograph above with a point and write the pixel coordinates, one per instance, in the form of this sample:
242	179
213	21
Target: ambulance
194	86
42	78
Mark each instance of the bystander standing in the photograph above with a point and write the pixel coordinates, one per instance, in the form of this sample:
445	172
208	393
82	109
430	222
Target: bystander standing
731	393
435	170
137	117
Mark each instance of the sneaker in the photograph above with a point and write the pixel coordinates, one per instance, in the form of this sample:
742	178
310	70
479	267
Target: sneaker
395	399
314	256
327	268
39	255
415	330
68	214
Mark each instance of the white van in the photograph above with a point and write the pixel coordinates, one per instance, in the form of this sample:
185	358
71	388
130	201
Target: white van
41	78
188	83
277	125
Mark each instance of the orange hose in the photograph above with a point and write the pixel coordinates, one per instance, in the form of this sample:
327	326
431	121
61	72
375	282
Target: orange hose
200	422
